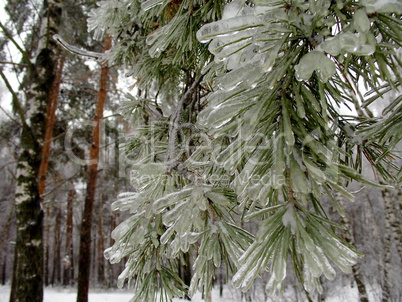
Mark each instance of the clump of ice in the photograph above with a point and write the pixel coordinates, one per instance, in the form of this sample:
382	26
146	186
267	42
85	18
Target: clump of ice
382	6
288	219
315	61
232	9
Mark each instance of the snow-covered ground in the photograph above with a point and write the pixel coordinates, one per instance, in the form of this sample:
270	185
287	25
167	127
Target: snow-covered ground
60	294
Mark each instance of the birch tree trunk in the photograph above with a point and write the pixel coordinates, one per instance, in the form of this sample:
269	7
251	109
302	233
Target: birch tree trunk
27	283
84	261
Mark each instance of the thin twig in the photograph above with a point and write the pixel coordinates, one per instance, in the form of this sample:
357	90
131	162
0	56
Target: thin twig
23	52
291	197
175	125
10	117
13	63
15	98
11	162
60	183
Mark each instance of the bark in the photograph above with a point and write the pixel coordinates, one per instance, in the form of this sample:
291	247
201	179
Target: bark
398	226
56	248
47	141
68	260
5	243
50	120
85	235
14	276
101	262
209	297
187	271
373	229
5	250
109	268
349	237
27	283
389	236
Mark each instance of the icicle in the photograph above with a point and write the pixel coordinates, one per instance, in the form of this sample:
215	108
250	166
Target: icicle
76	50
147	5
223	27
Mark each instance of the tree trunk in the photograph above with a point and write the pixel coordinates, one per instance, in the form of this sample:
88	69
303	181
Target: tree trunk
56	248
109	268
348	235
221	283
209	296
47	141
398	225
101	262
68	260
5	256
389	236
13	283
27	282
375	234
5	244
85	235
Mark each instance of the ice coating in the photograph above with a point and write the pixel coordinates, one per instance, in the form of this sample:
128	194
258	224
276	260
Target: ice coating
225	27
383	6
315	61
288	218
146	5
232	9
361	22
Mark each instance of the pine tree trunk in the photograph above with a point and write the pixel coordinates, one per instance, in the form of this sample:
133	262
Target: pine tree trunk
68	264
50	120
27	283
85	235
